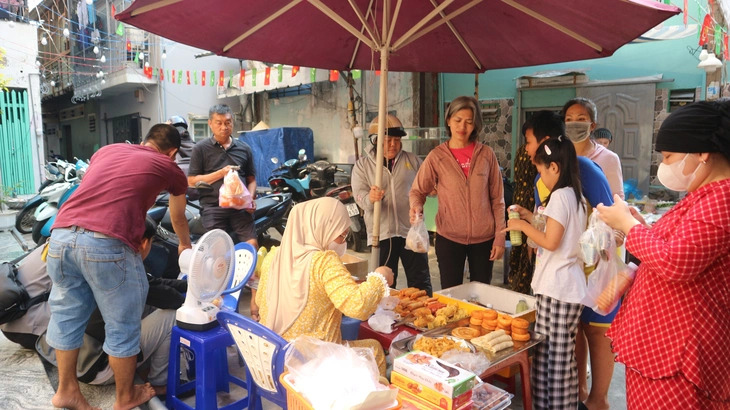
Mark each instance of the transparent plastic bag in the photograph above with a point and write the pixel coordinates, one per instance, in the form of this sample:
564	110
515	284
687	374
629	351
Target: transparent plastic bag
596	242
330	375
476	363
539	221
233	192
417	239
611	278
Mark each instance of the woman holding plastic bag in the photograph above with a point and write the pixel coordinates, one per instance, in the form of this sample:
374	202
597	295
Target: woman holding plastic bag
672	329
470	189
305	289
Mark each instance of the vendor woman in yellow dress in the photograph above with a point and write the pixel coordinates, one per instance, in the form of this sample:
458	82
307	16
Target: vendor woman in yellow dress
305	288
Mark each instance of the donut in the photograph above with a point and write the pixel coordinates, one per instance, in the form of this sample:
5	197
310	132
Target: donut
465	333
520	337
489	314
475	321
519	331
477	314
520	323
505	321
489	323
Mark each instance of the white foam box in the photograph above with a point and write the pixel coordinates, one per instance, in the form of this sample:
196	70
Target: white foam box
434	373
358	267
502	300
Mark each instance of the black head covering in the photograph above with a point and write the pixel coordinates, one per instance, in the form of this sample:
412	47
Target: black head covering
699	127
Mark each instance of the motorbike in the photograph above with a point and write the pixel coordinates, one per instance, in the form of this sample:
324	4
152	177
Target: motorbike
307	181
54	173
291	178
270	213
54	195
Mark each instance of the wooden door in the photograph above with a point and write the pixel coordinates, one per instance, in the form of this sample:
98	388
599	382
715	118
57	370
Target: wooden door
628	112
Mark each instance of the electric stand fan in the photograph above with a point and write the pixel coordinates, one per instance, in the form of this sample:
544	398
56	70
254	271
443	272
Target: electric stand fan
208	266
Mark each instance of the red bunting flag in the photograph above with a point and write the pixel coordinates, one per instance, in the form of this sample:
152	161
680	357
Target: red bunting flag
173	76
334	75
147	72
221	74
241	78
114	11
129	45
705	31
294	70
203	79
377	72
685	12
267	77
162	75
726	52
187	76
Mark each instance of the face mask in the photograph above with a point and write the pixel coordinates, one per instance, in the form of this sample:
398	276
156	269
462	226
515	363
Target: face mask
672	175
339	248
577	131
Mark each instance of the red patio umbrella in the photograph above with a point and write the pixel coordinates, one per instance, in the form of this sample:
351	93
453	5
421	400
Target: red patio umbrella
464	36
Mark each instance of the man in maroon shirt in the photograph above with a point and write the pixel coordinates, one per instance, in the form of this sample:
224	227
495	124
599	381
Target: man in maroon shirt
93	258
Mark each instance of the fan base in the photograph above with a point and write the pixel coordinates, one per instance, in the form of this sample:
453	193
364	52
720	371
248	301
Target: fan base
197	327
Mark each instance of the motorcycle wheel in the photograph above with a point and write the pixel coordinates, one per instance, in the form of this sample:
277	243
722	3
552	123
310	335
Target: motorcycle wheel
25	220
36	234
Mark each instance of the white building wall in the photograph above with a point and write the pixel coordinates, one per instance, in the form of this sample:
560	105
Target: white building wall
325	112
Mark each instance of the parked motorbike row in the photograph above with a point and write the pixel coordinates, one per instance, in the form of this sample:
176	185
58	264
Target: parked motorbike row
62	179
270	213
307	181
295	181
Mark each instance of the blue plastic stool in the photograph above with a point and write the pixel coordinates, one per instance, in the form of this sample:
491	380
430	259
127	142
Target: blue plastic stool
350	328
211	369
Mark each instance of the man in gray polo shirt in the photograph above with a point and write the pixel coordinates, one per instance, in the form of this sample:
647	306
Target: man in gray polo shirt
210	162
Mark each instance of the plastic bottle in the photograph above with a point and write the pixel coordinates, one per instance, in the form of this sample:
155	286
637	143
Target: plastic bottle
515	237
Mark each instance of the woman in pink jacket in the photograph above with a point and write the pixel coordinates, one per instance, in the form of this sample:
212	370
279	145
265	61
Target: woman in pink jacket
471	200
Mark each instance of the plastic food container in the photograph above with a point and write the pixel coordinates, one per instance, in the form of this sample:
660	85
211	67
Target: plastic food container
485	396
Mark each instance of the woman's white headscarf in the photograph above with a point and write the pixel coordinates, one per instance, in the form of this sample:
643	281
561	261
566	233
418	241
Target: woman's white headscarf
311	227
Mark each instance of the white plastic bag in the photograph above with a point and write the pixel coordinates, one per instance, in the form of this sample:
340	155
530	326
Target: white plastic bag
233	193
330	375
417	239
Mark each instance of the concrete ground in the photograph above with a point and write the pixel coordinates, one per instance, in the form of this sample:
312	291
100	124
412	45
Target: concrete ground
42	388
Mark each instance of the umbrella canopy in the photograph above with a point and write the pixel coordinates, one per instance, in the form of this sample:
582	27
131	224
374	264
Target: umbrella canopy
465	36
423	35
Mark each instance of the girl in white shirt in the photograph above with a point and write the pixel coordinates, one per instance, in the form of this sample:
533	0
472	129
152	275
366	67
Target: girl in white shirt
558	283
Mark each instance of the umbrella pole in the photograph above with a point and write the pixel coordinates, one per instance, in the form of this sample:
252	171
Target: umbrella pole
382	119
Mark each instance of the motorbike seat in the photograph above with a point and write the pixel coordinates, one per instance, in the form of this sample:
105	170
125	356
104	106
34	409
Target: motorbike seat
263	206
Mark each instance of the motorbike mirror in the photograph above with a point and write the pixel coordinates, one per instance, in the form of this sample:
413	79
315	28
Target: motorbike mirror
275	160
203	185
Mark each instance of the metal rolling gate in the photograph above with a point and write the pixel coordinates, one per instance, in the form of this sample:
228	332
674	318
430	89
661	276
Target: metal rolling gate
16	156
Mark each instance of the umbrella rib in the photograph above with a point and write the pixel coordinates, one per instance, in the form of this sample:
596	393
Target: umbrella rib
364	27
261	24
421	23
392	22
153	6
363	19
554	25
447	20
343	23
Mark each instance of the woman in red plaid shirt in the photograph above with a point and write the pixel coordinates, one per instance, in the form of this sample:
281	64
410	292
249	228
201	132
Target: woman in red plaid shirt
673	330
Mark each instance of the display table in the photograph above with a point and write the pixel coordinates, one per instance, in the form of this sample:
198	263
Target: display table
504	359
